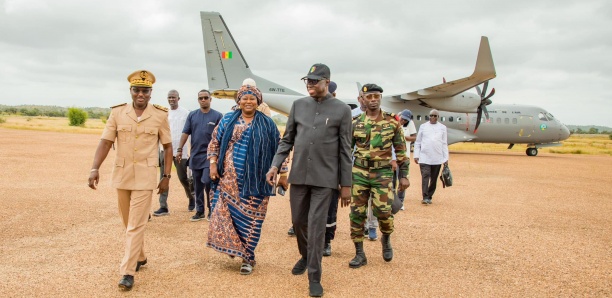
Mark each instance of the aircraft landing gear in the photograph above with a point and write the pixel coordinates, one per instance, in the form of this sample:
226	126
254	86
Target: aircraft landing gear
532	151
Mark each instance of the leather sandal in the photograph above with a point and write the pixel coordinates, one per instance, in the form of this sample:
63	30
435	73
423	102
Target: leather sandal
246	269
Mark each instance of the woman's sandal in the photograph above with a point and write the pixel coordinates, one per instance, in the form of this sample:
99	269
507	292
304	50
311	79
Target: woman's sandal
246	269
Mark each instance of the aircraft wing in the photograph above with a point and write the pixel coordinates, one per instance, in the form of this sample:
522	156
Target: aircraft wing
484	71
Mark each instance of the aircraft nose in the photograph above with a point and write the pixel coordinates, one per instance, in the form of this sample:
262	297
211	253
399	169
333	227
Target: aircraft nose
565	133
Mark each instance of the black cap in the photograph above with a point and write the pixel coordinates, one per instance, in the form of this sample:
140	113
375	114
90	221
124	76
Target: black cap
370	88
317	72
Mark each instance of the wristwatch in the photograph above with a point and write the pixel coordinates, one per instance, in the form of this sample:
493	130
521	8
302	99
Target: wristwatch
166	176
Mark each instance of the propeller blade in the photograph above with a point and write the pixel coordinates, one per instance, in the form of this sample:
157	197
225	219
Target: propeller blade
478	119
486	99
484	108
484	89
478	91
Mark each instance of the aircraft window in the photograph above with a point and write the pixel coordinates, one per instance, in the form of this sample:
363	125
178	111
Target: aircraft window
426	118
550	116
450	119
498	120
443	119
542	117
514	121
458	119
419	117
506	120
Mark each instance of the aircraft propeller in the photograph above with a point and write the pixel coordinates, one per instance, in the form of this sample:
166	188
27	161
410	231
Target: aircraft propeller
484	102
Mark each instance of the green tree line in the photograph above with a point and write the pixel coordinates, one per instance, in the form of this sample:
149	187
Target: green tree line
52	111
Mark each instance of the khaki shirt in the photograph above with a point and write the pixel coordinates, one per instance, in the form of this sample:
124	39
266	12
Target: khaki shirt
137	160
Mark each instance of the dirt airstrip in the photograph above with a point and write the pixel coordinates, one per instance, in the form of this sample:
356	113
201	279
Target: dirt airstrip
512	225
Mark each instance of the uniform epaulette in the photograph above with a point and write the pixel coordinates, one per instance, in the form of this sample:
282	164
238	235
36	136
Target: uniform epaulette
161	107
121	104
355	117
389	114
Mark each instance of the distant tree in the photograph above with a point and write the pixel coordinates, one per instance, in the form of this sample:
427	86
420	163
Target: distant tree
593	130
610	136
579	130
605	132
77	117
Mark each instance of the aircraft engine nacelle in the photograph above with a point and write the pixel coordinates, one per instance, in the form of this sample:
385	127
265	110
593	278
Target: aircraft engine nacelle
461	103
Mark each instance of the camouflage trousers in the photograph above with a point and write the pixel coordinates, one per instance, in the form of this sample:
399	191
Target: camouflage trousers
375	183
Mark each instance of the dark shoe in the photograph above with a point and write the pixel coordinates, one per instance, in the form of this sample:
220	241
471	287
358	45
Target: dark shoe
315	288
140	263
428	201
327	250
360	257
424	202
198	216
191	208
291	232
126	283
372	234
300	267
386	247
160	212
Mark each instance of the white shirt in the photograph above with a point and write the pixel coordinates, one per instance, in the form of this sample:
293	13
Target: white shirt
431	146
177	120
409	130
356	111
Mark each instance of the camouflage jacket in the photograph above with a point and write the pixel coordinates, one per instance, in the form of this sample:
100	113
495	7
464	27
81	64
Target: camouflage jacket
373	139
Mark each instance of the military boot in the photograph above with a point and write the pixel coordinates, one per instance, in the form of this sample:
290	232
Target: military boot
386	247
360	257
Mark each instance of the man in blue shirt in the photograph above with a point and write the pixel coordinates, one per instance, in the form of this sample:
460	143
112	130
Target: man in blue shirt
200	125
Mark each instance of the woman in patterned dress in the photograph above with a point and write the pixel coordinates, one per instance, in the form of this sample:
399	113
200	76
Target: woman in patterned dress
242	148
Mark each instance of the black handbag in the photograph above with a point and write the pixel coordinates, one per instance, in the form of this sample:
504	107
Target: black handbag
446	177
397	203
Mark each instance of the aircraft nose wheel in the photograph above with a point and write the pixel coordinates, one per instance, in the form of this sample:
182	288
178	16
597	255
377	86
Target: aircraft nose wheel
532	151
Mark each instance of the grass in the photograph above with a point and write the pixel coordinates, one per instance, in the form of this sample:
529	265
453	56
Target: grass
576	144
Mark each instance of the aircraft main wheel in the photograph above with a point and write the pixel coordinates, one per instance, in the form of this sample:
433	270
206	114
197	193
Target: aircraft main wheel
532	151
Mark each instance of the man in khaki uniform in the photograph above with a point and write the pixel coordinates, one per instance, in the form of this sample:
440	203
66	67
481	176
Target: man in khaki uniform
138	128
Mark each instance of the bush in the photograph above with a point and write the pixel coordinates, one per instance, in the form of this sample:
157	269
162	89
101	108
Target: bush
103	118
610	136
77	117
2	120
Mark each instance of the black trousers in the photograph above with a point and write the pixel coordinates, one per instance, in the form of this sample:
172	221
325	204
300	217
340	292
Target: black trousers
309	208
430	174
332	214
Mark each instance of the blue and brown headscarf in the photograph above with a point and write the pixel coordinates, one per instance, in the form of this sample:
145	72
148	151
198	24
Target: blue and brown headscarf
248	89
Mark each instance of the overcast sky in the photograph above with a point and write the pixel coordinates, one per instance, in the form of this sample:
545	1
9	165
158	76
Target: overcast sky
554	54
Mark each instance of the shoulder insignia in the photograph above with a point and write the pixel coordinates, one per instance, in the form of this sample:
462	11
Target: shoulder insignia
355	117
119	105
160	107
389	114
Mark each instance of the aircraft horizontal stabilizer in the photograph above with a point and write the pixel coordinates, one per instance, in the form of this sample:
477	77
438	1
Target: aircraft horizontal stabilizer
456	136
484	71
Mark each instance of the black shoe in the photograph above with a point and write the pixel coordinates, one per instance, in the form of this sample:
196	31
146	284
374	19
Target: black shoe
315	288
300	267
161	212
387	250
291	232
428	201
198	216
327	250
140	263
126	283
360	257
424	202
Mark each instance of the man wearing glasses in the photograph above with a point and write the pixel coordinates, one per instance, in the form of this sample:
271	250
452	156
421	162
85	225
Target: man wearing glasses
138	128
430	152
199	125
319	131
376	134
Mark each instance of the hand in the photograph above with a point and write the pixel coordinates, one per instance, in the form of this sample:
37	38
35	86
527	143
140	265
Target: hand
446	163
163	185
94	178
282	182
345	194
178	157
416	160
270	175
393	165
214	175
404	183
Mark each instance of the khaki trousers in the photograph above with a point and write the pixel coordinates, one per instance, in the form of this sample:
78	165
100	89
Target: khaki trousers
134	208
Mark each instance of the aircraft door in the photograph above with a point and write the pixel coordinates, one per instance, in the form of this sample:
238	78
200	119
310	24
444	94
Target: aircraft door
525	125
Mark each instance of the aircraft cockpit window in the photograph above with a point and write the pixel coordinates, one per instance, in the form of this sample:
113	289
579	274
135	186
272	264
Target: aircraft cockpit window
542	117
450	119
550	116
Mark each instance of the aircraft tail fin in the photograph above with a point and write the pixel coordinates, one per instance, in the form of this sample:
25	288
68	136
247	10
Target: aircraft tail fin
226	67
485	69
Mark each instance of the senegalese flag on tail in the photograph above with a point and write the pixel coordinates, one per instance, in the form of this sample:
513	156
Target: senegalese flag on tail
226	55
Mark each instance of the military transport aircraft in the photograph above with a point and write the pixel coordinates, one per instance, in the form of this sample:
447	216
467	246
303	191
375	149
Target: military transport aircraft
469	117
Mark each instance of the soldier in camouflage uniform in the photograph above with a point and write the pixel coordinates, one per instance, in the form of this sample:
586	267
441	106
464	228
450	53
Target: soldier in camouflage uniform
375	132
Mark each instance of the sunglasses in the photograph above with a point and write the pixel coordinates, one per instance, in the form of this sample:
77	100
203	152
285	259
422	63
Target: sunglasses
432	116
373	96
144	91
311	81
204	98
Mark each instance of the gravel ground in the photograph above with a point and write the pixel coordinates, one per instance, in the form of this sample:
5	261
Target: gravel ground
512	225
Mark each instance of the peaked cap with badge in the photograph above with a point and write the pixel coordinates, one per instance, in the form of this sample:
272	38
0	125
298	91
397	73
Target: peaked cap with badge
318	71
141	78
371	88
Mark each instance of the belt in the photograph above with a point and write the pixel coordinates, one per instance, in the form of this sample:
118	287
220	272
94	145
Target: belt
371	164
